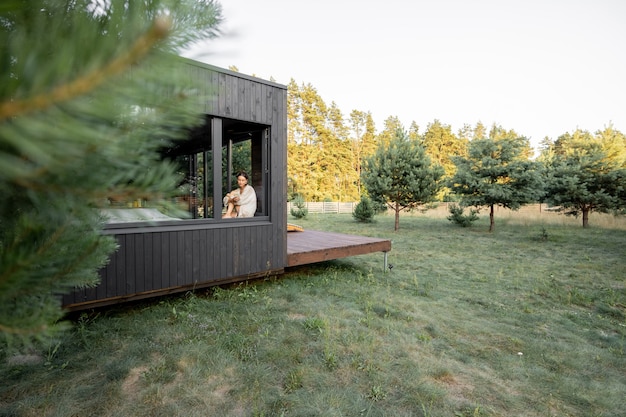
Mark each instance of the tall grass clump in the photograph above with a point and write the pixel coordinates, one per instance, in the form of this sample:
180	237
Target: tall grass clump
467	323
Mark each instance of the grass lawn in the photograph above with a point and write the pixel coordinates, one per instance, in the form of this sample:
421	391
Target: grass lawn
527	321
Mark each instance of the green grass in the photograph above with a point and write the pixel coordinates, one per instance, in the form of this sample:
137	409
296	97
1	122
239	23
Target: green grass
527	321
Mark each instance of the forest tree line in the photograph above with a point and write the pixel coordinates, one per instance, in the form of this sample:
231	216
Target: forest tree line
327	150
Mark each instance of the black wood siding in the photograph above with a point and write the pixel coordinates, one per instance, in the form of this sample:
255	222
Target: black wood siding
157	259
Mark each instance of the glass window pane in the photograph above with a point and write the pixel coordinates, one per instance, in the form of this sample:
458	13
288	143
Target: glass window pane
245	147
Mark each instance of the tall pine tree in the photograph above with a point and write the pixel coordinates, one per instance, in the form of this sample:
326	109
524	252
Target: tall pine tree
363	141
441	144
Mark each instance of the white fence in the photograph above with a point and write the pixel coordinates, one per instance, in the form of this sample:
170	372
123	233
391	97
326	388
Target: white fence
326	207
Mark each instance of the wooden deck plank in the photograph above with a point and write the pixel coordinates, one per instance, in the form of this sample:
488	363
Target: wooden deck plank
311	246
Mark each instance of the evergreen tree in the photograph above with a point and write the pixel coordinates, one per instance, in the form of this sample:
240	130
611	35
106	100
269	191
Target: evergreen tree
480	131
340	157
364	211
441	144
78	126
306	114
363	141
570	141
298	208
388	134
497	132
496	173
414	131
401	175
546	147
465	133
457	215
613	143
586	174
303	153
294	140
319	149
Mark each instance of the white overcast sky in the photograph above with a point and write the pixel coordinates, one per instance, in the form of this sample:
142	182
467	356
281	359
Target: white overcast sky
540	67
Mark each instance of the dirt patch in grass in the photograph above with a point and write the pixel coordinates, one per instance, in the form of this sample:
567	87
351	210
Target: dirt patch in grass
131	386
459	389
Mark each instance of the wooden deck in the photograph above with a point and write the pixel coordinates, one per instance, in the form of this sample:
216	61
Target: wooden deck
312	246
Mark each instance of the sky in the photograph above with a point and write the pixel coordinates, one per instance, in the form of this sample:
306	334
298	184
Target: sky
539	67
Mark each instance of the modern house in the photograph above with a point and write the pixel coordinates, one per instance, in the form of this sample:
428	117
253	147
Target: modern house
245	129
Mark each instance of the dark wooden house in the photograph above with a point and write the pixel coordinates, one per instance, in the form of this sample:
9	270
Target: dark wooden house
245	129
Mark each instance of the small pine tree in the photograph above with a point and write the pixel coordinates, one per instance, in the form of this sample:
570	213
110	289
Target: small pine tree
497	173
299	211
401	175
457	216
582	178
364	211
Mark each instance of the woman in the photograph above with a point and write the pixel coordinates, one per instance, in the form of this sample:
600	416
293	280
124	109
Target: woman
240	202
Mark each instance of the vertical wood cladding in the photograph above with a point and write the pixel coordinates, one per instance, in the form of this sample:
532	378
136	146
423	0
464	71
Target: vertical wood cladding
167	258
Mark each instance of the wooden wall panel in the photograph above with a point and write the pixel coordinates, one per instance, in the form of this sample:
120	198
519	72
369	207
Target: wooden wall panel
168	258
147	262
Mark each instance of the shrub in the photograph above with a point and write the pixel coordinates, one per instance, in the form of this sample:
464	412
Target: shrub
364	211
299	211
457	216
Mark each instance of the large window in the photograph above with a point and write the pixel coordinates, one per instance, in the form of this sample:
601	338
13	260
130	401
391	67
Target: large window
208	163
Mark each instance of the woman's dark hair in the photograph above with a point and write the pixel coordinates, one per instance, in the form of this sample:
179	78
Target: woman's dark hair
242	174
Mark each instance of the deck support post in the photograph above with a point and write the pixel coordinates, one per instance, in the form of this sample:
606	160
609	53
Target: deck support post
384	262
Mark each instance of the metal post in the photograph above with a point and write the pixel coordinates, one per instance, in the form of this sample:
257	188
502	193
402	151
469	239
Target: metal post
385	262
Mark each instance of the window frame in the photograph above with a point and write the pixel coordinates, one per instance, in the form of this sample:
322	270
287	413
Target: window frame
220	140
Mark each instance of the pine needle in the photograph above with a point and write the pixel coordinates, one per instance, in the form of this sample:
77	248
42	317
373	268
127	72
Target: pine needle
159	30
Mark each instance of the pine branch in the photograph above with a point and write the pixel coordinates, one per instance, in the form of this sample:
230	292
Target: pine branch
80	258
159	30
18	266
